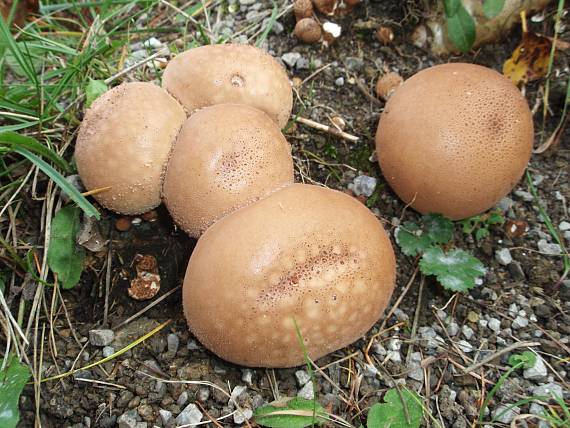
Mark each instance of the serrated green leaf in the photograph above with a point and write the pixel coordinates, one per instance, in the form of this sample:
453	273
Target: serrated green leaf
391	414
439	228
451	7
468	225
412	239
481	233
295	413
12	381
492	8
93	90
495	218
461	29
456	271
526	360
64	256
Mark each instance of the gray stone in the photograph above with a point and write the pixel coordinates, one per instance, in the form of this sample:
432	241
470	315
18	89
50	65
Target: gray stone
567	235
236	392
247	376
101	337
246	2
242	415
505	204
277	27
401	315
193	345
108	351
516	271
564	226
394	344
519	322
303	64
503	256
494	325
363	185
203	394
182	399
394	356
467	331
525	196
416	371
129	419
453	329
307	392
291	58
191	415
165	416
547	390
505	414
465	346
549	248
536	372
152	43
173	342
302	377
339	81
353	63
379	349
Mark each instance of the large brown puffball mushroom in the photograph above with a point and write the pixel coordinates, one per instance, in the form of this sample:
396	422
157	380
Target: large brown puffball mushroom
124	142
225	157
305	253
217	74
454	139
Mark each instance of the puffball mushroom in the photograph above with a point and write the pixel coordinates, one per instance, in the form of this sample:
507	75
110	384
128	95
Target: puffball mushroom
305	254
454	139
241	74
226	156
124	142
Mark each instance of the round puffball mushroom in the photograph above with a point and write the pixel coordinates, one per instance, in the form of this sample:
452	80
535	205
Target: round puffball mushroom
308	30
124	142
225	157
305	254
454	139
241	74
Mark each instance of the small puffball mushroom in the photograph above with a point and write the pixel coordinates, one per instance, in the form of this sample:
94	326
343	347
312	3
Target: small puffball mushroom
308	30
303	9
387	84
225	157
124	142
305	254
328	7
454	139
241	74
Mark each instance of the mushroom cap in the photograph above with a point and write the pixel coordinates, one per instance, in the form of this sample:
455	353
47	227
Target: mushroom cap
387	84
305	253
241	74
303	9
225	157
454	139
124	142
308	30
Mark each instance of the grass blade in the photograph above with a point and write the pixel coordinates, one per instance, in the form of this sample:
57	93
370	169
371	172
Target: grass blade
15	140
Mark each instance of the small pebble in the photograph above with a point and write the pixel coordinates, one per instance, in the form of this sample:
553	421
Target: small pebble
339	81
548	390
291	58
203	394
548	248
165	416
302	377
467	332
247	376
525	196
101	337
505	414
564	226
363	185
465	346
240	416
307	392
108	351
172	343
503	256
453	329
473	316
520	322
536	372
182	399
191	415
494	324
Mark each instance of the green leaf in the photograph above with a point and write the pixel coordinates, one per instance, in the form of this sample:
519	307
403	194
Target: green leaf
451	7
461	29
60	180
456	270
492	8
439	228
391	414
93	90
12	381
64	256
469	224
527	360
413	239
13	140
295	413
481	233
495	218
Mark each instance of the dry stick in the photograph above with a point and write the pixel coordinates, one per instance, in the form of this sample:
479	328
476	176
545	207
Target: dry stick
497	354
311	76
214	421
365	92
328	129
416	320
108	278
402	295
146	308
67	317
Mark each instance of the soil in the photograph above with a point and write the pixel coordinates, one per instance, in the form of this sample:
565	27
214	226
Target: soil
98	397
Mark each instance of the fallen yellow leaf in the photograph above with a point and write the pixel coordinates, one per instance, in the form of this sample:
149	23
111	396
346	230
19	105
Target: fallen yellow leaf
529	60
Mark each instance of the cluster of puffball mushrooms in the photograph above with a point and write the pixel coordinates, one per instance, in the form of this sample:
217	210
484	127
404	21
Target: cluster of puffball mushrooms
273	256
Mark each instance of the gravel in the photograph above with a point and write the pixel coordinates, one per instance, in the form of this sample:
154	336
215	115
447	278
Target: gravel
101	337
165	416
505	414
363	185
108	351
172	342
519	322
536	372
503	256
291	58
247	376
549	248
129	419
191	415
564	226
307	392
547	390
302	377
494	324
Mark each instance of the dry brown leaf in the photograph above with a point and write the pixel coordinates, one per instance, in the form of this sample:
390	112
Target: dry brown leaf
529	60
554	139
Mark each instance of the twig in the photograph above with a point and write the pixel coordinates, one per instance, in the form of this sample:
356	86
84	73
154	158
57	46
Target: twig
328	129
108	278
497	354
416	320
365	92
402	295
146	308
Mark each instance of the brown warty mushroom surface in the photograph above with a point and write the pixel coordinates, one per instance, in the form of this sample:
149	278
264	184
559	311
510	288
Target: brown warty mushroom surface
305	253
217	74
225	157
124	142
454	139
